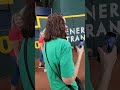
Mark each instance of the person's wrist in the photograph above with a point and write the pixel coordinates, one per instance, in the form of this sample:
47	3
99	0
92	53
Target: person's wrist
80	54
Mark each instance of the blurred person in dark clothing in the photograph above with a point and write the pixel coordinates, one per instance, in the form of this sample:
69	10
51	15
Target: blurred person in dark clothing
27	64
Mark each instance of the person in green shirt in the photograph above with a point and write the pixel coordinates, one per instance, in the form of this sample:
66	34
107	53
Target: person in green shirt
27	51
59	54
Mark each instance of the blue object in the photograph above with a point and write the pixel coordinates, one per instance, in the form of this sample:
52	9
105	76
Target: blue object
41	56
81	43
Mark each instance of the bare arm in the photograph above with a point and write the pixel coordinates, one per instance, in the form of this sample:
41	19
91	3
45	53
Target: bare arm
15	45
68	81
107	63
42	44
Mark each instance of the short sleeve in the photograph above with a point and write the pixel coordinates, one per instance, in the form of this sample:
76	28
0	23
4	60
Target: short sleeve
13	34
41	40
66	62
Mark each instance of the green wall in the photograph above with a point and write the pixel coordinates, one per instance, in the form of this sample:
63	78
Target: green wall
69	7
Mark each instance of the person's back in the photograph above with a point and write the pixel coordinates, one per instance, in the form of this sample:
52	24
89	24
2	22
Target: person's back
30	63
59	54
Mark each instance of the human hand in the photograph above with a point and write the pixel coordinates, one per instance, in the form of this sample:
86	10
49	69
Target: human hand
107	59
80	50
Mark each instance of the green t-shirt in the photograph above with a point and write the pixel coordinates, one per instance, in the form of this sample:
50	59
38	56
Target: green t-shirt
60	56
31	59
